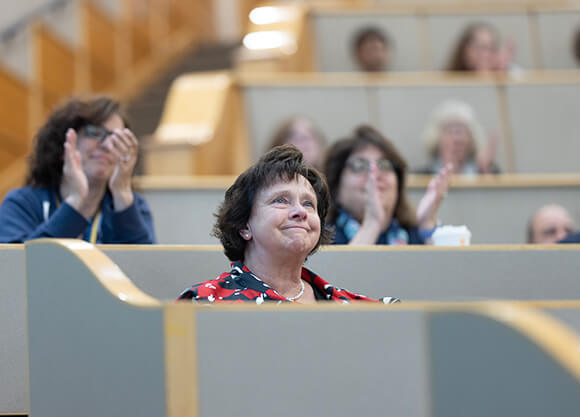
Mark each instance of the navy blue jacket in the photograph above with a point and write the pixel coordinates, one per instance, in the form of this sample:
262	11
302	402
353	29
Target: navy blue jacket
573	238
32	212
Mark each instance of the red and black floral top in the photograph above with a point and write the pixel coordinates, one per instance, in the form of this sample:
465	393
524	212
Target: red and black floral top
240	285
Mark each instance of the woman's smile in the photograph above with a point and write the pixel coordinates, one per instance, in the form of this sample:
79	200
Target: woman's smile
284	219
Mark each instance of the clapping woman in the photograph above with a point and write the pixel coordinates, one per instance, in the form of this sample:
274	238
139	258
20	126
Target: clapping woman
272	218
79	180
367	180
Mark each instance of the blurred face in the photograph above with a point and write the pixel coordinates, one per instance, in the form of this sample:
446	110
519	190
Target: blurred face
95	145
284	220
305	140
354	177
455	143
551	224
480	51
373	55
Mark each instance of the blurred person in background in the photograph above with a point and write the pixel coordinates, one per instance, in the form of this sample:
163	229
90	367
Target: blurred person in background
79	182
367	180
301	132
373	50
550	224
576	46
453	135
479	50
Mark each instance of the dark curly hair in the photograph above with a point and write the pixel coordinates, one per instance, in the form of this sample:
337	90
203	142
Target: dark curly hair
457	61
282	163
335	163
46	160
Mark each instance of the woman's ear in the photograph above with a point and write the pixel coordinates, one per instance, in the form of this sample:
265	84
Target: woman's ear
245	234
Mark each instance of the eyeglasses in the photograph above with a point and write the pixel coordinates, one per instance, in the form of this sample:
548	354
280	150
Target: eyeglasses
362	165
95	132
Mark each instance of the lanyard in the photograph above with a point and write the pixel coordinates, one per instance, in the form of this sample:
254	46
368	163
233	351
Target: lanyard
95	225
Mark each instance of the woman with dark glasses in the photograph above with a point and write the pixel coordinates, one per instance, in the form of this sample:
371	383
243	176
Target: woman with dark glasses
366	177
79	180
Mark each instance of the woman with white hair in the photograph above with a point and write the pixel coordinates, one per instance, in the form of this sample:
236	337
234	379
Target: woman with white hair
454	136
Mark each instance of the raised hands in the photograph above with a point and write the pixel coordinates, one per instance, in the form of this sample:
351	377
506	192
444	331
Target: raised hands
429	204
124	148
375	218
74	185
487	155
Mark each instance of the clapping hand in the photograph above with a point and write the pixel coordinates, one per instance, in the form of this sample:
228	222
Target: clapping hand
75	186
124	148
436	192
375	218
487	155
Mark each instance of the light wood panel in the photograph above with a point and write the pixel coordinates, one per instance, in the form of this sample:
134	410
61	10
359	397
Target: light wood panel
139	20
55	69
14	114
201	131
101	47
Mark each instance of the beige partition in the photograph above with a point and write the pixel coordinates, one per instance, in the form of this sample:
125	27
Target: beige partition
399	105
472	274
496	209
544	122
404	109
424	35
445	30
480	272
99	346
13	347
523	110
557	31
335	33
335	108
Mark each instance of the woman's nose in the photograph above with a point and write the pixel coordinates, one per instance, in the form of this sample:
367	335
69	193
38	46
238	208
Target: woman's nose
298	211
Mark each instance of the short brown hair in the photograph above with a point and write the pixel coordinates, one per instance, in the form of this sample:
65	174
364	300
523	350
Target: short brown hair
46	160
283	163
339	153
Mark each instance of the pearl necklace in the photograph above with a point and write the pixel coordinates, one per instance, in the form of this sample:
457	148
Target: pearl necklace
297	296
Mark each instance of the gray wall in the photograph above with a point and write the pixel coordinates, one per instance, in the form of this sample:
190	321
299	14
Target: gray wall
541	115
494	214
424	41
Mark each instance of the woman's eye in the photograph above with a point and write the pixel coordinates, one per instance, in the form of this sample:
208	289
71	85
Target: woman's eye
280	200
309	203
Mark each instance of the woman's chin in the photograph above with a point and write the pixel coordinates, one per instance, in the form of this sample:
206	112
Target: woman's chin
99	175
299	248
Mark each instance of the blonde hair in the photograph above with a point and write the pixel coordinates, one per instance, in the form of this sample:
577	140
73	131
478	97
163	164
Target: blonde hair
453	111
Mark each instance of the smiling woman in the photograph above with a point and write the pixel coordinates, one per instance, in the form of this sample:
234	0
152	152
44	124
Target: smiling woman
79	180
366	175
271	220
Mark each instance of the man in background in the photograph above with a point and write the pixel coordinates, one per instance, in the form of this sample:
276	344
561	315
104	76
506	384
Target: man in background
373	50
550	224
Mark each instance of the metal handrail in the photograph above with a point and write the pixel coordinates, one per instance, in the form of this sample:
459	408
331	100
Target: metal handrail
12	30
